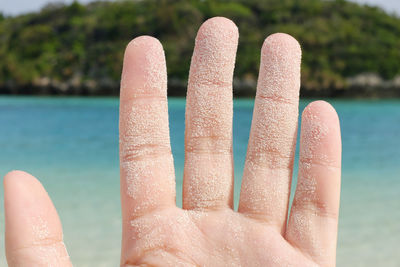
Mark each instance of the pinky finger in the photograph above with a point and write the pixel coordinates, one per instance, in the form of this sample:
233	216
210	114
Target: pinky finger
313	220
33	230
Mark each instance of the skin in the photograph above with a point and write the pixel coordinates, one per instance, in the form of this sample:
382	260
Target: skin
207	231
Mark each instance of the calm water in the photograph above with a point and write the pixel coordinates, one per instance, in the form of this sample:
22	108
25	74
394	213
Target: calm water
71	145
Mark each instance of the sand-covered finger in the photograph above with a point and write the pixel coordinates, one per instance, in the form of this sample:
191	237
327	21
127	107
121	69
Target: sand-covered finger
313	218
269	160
208	174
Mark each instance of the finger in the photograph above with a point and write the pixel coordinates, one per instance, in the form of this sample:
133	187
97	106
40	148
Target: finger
146	163
147	173
269	160
314	215
208	173
33	230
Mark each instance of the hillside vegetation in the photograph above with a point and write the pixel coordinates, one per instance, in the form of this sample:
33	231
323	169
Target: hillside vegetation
348	49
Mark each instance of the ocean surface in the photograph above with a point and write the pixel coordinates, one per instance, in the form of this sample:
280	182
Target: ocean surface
71	145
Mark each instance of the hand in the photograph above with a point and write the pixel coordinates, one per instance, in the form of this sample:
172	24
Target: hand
207	231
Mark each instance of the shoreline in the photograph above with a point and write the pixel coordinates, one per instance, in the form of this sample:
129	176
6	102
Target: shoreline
235	97
348	93
362	86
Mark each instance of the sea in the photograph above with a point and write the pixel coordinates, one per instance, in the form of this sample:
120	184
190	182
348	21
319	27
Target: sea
71	145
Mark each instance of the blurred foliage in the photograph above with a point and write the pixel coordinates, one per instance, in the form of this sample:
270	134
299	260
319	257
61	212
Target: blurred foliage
339	39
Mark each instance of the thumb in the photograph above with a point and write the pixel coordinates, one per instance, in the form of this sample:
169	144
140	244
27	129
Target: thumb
33	230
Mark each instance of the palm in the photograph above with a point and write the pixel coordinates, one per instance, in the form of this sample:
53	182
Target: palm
207	231
176	237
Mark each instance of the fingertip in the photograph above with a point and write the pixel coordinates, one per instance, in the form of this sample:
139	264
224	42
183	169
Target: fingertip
279	76
279	39
139	47
320	104
139	43
320	134
218	26
323	110
144	68
17	178
213	59
220	22
282	43
14	173
21	189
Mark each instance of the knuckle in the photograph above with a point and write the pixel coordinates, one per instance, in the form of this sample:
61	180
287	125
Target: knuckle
209	144
316	208
134	152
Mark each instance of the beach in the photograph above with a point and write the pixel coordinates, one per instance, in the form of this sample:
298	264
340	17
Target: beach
71	146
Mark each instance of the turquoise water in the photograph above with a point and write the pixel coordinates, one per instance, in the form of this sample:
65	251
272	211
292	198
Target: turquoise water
71	145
